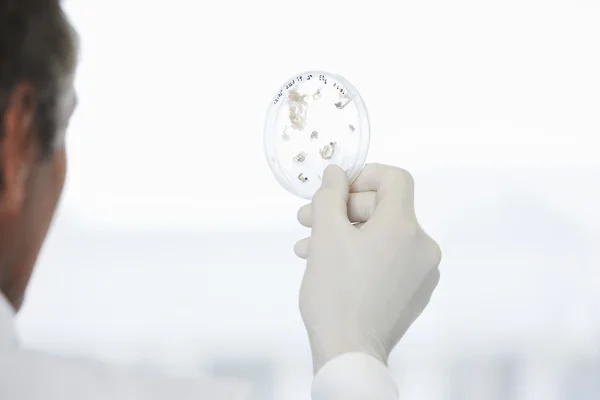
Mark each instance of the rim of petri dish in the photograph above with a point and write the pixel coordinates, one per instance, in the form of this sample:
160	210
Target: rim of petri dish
270	134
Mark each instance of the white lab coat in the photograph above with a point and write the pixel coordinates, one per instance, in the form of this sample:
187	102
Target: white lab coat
32	375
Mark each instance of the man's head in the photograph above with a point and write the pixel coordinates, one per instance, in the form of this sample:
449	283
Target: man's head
37	64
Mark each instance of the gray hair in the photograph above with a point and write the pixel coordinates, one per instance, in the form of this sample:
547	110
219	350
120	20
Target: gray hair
39	46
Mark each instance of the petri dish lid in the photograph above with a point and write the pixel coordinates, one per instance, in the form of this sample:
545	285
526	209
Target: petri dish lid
315	119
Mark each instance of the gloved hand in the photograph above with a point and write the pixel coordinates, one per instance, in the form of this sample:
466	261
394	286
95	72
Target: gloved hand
365	283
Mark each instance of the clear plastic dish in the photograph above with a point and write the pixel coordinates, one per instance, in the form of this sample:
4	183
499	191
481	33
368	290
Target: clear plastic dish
315	119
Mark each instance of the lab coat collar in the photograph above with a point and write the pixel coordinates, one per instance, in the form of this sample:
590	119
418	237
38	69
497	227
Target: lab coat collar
8	334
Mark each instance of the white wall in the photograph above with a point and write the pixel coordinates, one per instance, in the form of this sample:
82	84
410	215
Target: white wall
166	91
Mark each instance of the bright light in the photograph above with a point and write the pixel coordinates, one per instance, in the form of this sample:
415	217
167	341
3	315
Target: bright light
173	100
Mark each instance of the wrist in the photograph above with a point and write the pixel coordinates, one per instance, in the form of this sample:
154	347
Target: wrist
355	376
325	348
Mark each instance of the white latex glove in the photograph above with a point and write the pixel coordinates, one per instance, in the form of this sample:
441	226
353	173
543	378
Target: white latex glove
365	284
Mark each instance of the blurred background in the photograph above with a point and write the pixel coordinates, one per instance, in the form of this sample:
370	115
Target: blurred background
173	247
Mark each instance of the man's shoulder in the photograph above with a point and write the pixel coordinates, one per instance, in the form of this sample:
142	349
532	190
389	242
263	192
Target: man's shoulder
8	335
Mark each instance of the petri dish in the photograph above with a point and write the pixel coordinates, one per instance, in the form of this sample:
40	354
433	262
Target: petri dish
315	119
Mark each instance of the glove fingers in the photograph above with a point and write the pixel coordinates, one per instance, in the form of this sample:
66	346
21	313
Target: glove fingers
395	196
360	209
329	204
302	247
387	182
376	178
